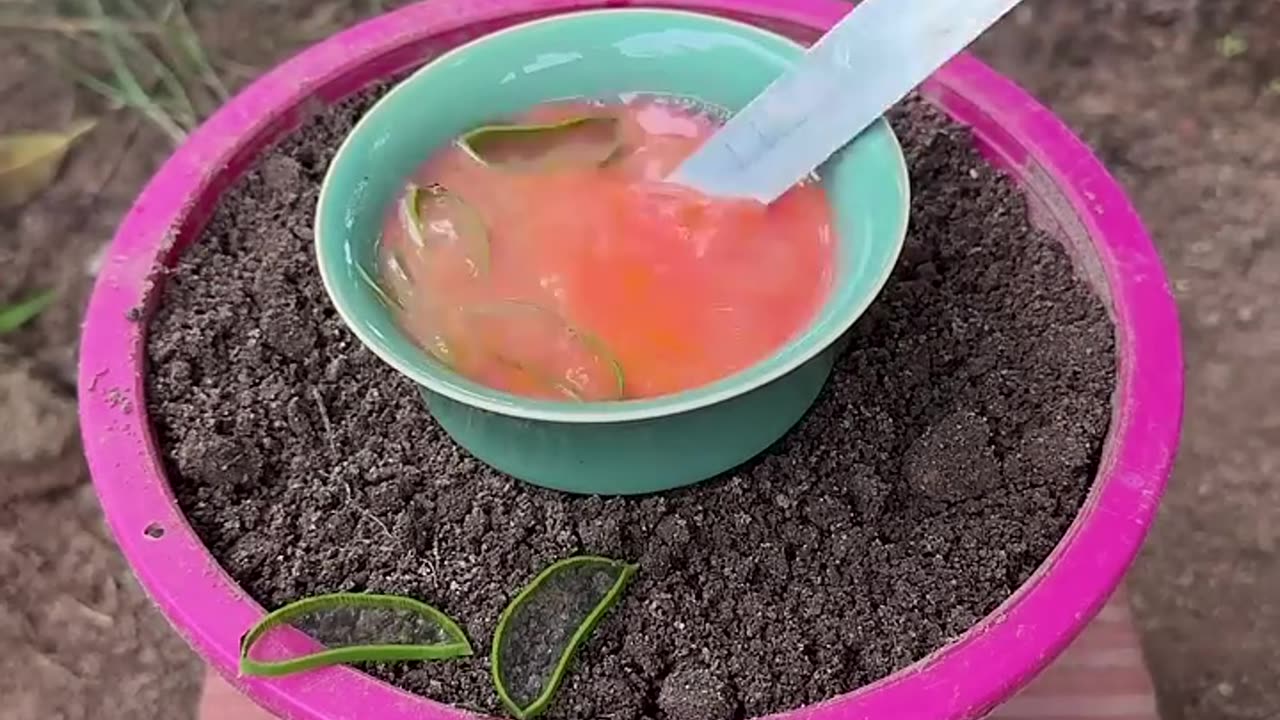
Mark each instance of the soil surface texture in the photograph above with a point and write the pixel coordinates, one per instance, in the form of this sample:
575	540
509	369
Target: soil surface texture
948	454
1178	97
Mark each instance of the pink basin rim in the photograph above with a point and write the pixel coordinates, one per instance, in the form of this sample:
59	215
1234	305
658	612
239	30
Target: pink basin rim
963	680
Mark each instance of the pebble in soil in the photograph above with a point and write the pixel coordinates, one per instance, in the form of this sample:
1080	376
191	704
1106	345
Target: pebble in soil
949	453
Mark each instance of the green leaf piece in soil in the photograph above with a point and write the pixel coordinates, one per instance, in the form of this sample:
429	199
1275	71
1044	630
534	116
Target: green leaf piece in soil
356	627
532	326
432	214
588	141
543	627
22	312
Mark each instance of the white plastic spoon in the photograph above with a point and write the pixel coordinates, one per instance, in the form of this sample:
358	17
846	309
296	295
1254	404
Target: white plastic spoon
867	62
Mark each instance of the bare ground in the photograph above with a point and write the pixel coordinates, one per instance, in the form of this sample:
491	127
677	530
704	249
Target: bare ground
1178	106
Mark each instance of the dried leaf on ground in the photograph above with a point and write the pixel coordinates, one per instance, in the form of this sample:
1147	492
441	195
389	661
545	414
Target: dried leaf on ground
30	161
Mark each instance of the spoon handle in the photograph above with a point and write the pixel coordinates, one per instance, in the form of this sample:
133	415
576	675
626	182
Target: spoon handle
867	62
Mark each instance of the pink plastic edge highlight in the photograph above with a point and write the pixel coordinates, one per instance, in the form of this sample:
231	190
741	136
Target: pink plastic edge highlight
1068	186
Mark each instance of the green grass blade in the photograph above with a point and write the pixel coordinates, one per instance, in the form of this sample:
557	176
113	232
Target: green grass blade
189	41
119	98
90	82
169	80
130	87
22	312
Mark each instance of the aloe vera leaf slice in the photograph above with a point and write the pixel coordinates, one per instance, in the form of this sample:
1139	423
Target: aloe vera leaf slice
546	381
402	629
586	141
575	593
432	213
589	342
383	296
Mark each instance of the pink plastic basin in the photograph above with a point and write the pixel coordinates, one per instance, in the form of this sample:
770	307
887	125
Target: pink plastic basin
1071	194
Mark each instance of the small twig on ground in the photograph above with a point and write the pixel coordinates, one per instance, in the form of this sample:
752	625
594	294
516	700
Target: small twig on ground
324	419
240	70
51	664
434	563
385	530
359	506
97	617
333	475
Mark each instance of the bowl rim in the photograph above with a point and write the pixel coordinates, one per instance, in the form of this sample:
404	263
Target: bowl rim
959	681
455	387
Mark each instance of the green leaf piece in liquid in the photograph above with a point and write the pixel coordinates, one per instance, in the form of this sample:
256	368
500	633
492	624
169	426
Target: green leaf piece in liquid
540	377
532	318
438	347
383	296
546	623
432	214
22	312
589	141
357	627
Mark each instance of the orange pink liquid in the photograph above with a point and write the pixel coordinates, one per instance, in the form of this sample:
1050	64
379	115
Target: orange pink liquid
586	282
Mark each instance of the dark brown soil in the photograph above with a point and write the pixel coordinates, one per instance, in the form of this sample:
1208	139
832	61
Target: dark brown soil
1188	128
951	449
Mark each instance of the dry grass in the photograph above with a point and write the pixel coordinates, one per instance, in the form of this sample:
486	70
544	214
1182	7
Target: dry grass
144	55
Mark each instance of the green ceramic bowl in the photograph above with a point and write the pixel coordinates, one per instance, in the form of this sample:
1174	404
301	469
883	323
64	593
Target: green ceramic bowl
628	447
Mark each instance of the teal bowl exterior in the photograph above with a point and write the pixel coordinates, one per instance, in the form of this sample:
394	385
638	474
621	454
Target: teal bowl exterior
633	446
635	456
